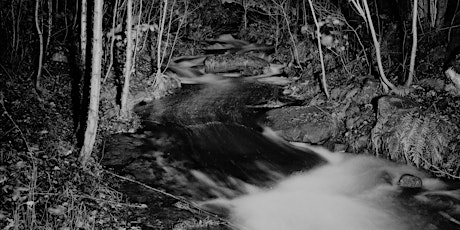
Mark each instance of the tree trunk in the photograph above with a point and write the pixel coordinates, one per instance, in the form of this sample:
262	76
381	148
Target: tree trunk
83	34
423	10
441	15
410	78
129	52
38	26
91	124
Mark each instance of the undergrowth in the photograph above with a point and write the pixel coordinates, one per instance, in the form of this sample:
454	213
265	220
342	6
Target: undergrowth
423	140
42	185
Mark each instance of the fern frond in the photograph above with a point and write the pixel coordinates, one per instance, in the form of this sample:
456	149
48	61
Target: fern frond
418	141
407	132
436	143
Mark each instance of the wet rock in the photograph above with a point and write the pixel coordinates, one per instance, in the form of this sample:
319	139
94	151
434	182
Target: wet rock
303	124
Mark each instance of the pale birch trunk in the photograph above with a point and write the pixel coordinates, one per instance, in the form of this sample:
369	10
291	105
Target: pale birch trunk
129	52
83	34
91	124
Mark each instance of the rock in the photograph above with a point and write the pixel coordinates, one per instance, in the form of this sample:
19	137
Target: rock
303	124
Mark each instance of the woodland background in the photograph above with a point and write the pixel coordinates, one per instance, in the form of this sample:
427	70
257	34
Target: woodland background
336	56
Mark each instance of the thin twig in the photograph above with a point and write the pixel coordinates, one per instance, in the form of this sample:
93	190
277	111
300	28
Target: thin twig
291	36
6	71
436	169
181	199
361	44
151	188
181	23
6	133
449	217
168	32
321	58
452	22
5	111
385	82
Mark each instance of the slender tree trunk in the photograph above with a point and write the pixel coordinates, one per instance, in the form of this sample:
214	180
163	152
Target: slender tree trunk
410	78
83	34
50	23
91	124
129	52
441	15
423	11
38	26
386	84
